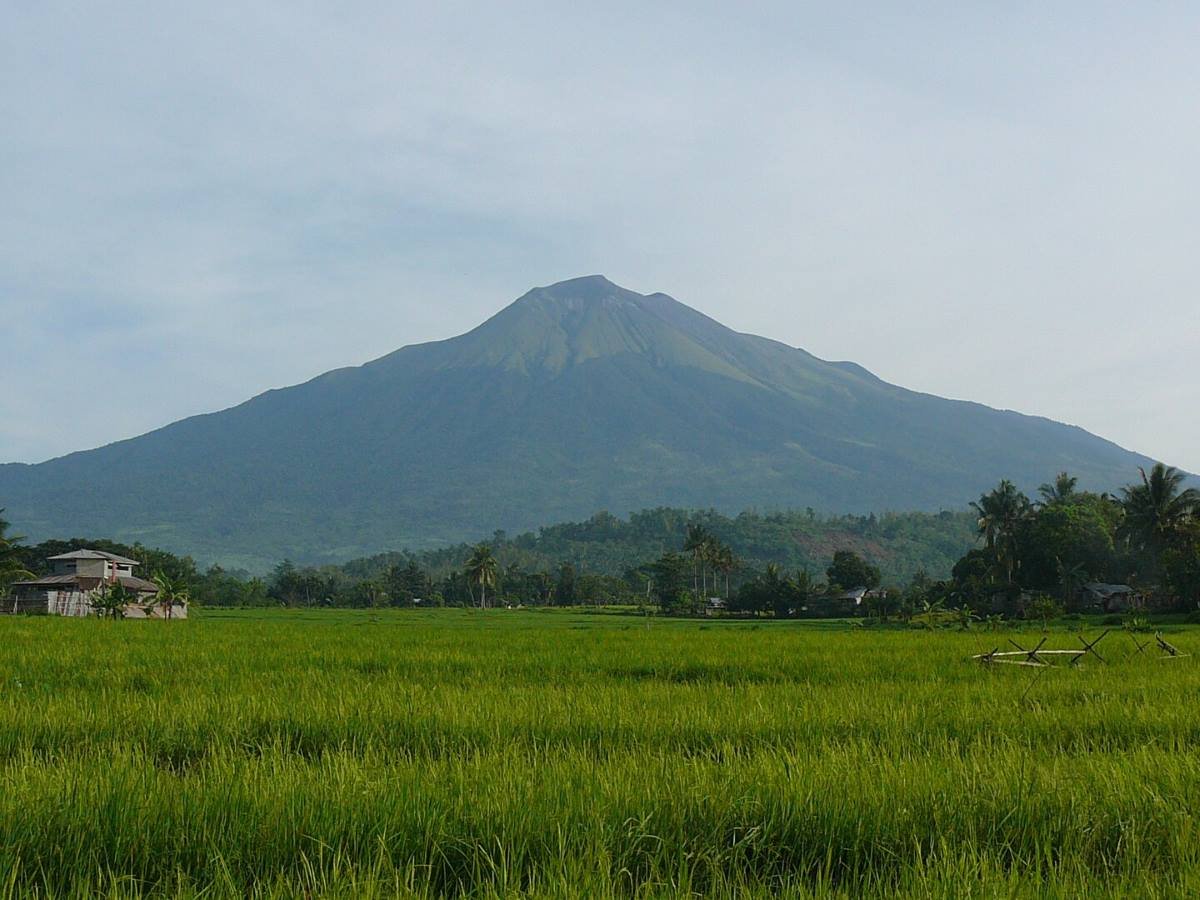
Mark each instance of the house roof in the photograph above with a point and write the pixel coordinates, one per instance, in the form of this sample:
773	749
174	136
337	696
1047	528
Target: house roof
97	554
88	583
1107	590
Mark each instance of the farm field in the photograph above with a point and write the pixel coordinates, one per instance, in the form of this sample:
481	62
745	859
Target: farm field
548	754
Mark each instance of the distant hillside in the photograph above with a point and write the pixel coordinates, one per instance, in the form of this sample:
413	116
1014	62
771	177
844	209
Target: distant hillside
577	397
899	544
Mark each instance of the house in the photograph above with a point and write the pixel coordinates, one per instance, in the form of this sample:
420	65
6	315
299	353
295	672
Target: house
854	602
715	606
1111	597
77	578
854	597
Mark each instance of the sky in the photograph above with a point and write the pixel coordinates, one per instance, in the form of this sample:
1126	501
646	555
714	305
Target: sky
995	202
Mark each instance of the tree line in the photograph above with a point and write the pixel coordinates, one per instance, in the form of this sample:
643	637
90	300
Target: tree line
1028	553
1146	537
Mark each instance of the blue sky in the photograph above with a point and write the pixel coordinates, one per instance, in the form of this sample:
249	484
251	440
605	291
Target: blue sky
990	202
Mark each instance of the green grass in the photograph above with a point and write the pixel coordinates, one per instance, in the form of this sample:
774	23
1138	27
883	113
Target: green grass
540	754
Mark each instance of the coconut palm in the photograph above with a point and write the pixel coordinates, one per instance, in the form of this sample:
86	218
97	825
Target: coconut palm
11	567
1157	510
697	544
481	570
172	592
724	562
1000	515
1060	490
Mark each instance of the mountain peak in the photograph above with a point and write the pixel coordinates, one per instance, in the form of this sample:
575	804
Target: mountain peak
578	293
585	286
580	396
552	328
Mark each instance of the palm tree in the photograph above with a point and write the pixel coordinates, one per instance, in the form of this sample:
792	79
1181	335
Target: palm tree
1060	490
1070	578
11	567
696	543
171	593
1000	515
710	557
481	570
1157	509
724	562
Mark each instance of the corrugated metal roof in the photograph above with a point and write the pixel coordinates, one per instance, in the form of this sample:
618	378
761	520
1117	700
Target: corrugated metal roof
138	584
97	554
89	583
48	581
1098	587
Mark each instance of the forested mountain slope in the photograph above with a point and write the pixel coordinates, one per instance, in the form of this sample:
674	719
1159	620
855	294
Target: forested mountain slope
577	397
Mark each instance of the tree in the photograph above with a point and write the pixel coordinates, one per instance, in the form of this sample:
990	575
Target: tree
407	583
669	576
1157	510
723	562
1074	535
566	588
1181	565
763	592
11	567
172	592
1044	608
797	594
481	571
1000	515
288	586
110	601
849	570
1071	577
1061	490
697	543
973	573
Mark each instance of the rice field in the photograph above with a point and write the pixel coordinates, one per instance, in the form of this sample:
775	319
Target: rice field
542	754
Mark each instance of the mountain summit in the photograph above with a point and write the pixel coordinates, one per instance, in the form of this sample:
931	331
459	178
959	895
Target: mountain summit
577	397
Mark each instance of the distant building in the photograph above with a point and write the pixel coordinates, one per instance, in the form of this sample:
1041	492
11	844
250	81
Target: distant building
1111	597
75	580
854	596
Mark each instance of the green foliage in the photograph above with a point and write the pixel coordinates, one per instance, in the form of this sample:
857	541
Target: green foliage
898	544
405	584
173	593
1069	536
1158	508
480	569
12	559
1043	608
1181	566
669	582
849	570
112	601
1062	490
1149	538
1002	515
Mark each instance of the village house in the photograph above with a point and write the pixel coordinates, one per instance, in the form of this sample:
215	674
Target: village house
1111	597
77	578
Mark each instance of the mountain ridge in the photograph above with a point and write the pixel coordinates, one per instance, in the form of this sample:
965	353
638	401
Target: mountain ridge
577	396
